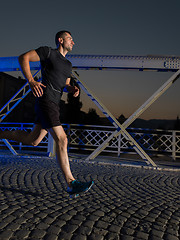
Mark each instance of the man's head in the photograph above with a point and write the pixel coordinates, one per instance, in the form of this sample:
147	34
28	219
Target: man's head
60	34
64	39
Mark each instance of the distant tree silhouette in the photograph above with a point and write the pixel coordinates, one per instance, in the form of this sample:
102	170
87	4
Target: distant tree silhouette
92	117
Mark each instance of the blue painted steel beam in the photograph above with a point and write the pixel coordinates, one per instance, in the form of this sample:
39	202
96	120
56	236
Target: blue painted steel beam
10	147
101	62
11	64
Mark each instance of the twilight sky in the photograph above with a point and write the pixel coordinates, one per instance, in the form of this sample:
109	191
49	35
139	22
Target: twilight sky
113	27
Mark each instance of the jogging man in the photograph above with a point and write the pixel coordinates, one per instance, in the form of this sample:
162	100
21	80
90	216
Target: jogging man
56	74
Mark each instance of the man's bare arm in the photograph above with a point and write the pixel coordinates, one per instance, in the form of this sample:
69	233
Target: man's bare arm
72	89
24	61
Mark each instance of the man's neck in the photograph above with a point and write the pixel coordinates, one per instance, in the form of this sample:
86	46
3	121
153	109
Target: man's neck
62	50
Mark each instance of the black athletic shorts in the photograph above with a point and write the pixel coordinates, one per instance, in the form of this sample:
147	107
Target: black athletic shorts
47	113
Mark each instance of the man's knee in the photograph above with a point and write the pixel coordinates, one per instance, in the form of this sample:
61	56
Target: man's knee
62	141
35	137
34	143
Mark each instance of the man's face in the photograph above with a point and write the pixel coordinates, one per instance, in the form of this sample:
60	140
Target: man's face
68	42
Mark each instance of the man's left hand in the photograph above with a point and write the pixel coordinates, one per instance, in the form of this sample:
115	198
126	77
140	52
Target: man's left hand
75	91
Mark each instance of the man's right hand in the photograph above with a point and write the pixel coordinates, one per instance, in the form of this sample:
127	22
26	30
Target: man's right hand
36	88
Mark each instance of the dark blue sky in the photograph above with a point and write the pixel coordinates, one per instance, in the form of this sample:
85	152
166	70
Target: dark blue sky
103	27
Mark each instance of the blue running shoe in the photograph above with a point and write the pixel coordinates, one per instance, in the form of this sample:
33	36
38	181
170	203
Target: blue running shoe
79	187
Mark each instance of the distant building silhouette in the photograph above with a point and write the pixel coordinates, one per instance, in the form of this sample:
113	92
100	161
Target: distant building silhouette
177	124
121	119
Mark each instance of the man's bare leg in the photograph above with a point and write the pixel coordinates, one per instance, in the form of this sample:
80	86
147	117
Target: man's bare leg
33	138
60	138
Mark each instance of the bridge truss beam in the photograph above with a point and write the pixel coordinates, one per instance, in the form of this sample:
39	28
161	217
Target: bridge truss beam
104	62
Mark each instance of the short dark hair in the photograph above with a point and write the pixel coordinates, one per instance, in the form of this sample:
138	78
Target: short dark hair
59	35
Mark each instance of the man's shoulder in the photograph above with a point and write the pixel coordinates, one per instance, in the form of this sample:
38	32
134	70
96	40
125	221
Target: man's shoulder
45	48
44	52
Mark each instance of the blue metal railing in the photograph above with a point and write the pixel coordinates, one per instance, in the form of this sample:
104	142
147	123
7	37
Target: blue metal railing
89	137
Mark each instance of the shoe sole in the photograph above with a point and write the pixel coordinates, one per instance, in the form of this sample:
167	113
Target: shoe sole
75	195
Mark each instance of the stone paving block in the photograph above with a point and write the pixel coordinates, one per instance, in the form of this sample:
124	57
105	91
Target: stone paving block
126	214
18	213
157	227
145	227
99	231
6	234
79	217
174	220
70	228
9	218
28	215
99	213
23	233
41	214
173	232
83	230
141	235
42	225
80	208
90	210
8	211
113	236
37	233
107	219
126	237
121	219
94	236
114	228
13	226
20	220
171	237
127	231
74	222
65	236
79	237
54	229
102	224
65	217
157	233
132	223
3	225
72	212
93	218
48	220
155	238
51	237
60	223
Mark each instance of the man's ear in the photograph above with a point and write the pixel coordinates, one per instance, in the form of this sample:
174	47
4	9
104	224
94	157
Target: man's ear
60	40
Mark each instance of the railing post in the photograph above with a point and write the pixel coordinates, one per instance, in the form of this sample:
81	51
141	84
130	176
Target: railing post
174	145
51	146
68	136
20	143
119	145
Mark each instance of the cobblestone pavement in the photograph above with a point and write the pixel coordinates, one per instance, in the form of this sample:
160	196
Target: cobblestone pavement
125	202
